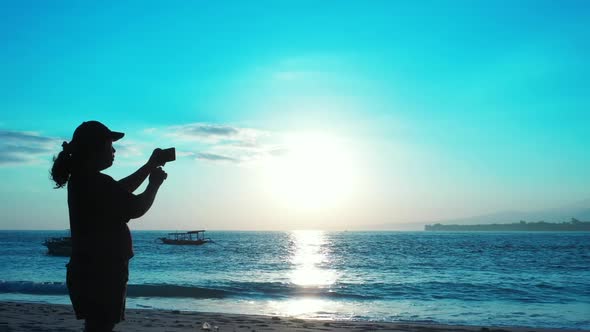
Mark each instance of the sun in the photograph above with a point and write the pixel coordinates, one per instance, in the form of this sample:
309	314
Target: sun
316	172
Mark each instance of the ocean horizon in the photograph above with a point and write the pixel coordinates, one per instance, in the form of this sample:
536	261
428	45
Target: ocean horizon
527	279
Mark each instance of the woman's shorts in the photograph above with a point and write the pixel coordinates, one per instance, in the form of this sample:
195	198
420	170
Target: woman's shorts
97	289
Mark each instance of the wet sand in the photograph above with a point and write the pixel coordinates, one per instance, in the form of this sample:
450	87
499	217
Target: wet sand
21	316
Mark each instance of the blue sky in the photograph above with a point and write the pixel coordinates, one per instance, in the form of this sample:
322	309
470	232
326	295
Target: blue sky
296	114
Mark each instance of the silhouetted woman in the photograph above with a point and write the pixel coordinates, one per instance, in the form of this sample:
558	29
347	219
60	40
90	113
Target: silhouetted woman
99	209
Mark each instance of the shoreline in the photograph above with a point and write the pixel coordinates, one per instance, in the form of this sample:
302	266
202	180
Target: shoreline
41	317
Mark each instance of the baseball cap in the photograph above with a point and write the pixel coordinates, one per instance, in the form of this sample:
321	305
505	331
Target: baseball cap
94	131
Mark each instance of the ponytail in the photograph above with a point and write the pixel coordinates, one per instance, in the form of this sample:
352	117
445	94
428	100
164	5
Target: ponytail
62	167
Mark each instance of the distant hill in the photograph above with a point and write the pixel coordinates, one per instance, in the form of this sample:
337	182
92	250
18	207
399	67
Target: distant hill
573	226
579	210
555	215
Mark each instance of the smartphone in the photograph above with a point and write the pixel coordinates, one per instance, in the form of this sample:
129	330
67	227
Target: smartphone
168	155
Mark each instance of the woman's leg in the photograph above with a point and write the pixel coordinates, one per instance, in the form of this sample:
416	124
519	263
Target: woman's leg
97	326
98	294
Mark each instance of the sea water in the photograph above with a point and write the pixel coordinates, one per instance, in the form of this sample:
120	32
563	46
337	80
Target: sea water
511	279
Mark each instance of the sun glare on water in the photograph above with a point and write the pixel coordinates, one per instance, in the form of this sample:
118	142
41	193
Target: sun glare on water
308	257
317	171
310	260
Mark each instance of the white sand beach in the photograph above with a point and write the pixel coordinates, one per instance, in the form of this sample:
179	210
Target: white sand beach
38	317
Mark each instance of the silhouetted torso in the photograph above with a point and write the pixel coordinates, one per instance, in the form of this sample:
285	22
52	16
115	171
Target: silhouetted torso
99	211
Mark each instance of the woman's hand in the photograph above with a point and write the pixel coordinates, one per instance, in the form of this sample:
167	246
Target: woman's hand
157	176
156	158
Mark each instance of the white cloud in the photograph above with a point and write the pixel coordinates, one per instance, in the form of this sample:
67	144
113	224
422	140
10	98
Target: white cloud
24	147
219	142
242	155
130	149
214	133
216	157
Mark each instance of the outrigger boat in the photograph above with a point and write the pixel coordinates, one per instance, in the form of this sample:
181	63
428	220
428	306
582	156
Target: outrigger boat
186	238
59	246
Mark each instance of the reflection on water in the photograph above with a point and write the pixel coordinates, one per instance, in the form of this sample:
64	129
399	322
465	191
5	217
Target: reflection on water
309	258
302	307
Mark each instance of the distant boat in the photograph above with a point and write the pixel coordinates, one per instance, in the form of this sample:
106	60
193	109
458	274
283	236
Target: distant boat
186	238
59	246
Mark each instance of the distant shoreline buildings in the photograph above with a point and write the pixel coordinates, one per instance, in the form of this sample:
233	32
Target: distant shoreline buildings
572	226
